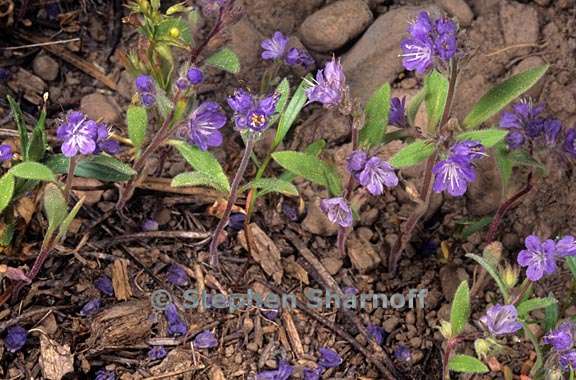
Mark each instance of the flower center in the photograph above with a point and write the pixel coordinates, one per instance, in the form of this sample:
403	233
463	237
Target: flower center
257	120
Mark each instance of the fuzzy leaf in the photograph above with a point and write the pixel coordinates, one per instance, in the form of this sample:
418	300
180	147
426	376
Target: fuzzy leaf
436	94
533	304
101	167
414	105
37	146
500	96
19	121
571	264
551	315
377	110
137	121
466	364
492	272
201	179
33	170
292	111
311	168
284	90
487	137
225	59
273	185
55	207
460	311
69	218
412	154
6	190
504	163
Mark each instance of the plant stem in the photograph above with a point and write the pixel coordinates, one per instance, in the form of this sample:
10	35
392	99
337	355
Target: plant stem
231	200
450	345
342	231
73	162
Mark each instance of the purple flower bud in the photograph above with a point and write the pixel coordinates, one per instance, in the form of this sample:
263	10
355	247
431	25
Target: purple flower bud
397	115
552	128
182	84
567	360
446	44
283	372
501	320
15	338
104	284
78	134
241	102
515	139
157	353
523	122
356	161
329	358
328	88
539	257
145	84
313	374
105	375
147	99
470	149
4	75
150	225
91	307
422	26
566	246
204	125
377	333
453	175
402	353
297	56
236	221
562	338
5	152
195	75
103	141
205	339
570	142
177	275
176	326
376	174
275	47
337	211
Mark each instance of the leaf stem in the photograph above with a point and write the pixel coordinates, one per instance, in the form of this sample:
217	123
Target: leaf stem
73	162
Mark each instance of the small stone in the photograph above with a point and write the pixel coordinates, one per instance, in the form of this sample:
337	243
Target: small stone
45	67
91	196
458	9
536	329
484	195
391	323
245	42
362	254
100	107
252	347
333	26
410	318
332	264
416	342
450	278
316	221
570	312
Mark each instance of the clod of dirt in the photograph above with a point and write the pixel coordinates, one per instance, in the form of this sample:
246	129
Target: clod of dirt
316	221
100	107
45	67
519	24
333	26
245	42
330	126
458	9
450	278
362	254
484	195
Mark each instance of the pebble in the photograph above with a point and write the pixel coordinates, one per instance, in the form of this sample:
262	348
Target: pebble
333	26
410	318
316	221
100	107
391	323
252	347
45	67
458	9
332	264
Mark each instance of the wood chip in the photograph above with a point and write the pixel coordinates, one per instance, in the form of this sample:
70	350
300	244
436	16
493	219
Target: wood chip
264	252
293	334
55	360
121	280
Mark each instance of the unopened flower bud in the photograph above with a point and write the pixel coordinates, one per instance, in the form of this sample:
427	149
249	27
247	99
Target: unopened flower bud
509	275
493	253
174	32
482	348
445	329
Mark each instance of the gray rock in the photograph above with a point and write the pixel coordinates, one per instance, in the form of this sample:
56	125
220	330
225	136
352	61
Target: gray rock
316	221
333	26
519	24
362	254
330	126
458	9
45	67
100	107
245	42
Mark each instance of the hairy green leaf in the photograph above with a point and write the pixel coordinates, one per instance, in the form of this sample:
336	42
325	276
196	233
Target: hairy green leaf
436	94
7	182
137	121
466	364
292	111
460	311
533	304
100	167
225	59
377	110
33	170
412	154
487	137
19	120
55	207
492	272
201	179
63	229
272	185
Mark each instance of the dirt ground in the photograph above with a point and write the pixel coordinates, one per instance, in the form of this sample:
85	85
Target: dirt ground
499	37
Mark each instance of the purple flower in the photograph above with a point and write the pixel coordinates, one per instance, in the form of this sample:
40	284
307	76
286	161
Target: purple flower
275	47
91	307
195	75
539	257
397	115
523	122
241	102
422	26
329	85
356	161
329	358
402	353
297	56
105	375
251	114
176	325
566	246
570	142
103	141
146	90
270	314
552	128
501	320
313	374
453	175
236	221
561	338
417	54
104	284
377	333
4	75
567	360
15	338
157	352
182	84
150	225
283	372
147	99
376	174
446	43
205	339
78	134
470	149
204	125
177	275
5	152
337	211
515	139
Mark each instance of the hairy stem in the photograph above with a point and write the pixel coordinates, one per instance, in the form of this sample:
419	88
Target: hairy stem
231	200
343	231
447	353
70	177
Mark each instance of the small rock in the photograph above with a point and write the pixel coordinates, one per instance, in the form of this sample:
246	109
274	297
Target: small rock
450	278
536	329
391	323
458	9
252	347
91	197
100	107
410	318
333	26
316	221
332	264
570	312
45	67
362	254
484	195
245	42
330	126
519	24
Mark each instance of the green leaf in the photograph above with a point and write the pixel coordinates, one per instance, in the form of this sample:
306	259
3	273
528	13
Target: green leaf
466	364
498	97
225	59
492	272
487	137
311	168
571	264
37	146
63	229
292	111
137	121
314	149
414	105
460	311
473	227
534	304
55	207
33	170
19	120
436	94
284	90
163	31
551	315
201	179
272	185
100	167
412	154
7	234
536	344
504	163
377	110
6	190
165	106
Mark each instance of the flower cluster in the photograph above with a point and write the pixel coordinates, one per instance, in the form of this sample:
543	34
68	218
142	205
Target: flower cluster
455	172
540	256
79	134
205	339
204	124
337	211
372	173
329	86
194	76
250	113
501	320
276	48
146	90
429	39
176	325
562	341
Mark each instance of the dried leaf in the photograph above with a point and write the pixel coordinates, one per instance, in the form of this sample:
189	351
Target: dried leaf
55	360
25	208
